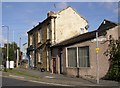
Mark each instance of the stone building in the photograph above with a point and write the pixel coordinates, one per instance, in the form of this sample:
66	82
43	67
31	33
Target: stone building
56	28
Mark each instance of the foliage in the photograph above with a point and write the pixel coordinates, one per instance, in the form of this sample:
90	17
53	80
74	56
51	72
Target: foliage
113	52
12	51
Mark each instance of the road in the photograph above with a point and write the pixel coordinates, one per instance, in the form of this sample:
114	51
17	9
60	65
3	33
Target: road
8	82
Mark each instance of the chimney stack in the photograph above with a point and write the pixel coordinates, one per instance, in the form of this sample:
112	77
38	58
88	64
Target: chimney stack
50	13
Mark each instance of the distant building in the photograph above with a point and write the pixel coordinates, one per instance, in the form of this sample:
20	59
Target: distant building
56	28
77	56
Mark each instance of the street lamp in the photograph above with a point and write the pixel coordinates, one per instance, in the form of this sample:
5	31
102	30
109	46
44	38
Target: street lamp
7	44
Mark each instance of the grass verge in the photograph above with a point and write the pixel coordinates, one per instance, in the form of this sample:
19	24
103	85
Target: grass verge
21	73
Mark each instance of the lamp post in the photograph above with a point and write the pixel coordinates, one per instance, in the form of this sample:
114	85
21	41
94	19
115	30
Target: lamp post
7	63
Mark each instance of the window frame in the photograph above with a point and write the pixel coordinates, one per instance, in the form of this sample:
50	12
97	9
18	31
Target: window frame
88	57
77	56
67	57
49	31
31	40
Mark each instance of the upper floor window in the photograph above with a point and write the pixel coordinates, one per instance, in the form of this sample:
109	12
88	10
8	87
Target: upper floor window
31	39
39	36
49	31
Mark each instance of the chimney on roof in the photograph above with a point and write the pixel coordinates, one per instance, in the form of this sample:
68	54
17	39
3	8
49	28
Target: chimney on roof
50	13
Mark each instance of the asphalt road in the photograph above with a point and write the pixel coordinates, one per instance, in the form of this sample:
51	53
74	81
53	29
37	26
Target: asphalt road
18	83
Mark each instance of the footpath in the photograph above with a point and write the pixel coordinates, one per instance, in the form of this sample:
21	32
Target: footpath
47	77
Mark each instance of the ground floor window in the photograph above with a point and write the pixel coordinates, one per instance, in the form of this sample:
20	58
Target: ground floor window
40	55
72	57
78	56
83	56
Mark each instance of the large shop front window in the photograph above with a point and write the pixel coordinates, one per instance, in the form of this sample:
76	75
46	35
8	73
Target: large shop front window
72	57
78	55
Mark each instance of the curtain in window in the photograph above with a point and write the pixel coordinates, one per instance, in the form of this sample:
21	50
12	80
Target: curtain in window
83	56
72	57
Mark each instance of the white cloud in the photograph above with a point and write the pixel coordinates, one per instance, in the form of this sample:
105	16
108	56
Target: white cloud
61	5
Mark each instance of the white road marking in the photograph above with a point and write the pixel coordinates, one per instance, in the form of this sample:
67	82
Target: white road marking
50	83
49	77
20	77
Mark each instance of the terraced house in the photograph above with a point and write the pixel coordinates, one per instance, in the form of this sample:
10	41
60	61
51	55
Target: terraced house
56	28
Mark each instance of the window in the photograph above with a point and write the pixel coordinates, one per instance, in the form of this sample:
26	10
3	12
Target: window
83	56
81	30
40	36
72	57
40	56
31	39
49	32
78	55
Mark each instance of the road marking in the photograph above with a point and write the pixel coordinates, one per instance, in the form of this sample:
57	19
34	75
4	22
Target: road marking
50	83
49	77
19	77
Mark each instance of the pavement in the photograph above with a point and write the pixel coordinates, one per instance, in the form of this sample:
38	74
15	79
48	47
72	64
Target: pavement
58	79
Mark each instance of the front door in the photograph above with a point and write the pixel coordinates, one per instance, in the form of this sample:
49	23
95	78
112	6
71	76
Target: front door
61	62
54	65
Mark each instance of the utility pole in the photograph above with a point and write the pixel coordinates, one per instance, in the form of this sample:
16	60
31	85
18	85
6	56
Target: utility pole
97	58
7	62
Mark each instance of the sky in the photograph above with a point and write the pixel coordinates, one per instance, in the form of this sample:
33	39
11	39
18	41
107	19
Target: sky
21	17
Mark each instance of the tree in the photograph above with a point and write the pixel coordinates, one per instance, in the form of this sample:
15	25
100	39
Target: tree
113	52
12	51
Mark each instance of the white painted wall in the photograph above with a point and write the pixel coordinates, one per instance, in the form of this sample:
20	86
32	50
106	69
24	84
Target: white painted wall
68	24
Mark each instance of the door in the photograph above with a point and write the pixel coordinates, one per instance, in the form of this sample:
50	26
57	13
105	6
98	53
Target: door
54	65
61	62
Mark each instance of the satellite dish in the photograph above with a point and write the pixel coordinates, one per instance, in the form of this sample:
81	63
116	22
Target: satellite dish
87	26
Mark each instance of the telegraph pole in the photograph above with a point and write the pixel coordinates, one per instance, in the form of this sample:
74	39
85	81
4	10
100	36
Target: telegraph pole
97	58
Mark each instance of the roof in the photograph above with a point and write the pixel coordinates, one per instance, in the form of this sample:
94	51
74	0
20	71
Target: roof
88	35
40	23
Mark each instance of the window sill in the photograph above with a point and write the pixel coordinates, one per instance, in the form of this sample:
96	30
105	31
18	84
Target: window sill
79	67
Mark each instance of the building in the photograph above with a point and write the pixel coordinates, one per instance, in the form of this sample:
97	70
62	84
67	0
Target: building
77	56
51	31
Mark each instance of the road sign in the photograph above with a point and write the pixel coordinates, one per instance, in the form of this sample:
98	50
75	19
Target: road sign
97	50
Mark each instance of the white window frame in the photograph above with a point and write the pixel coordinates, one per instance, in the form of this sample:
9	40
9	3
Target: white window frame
77	57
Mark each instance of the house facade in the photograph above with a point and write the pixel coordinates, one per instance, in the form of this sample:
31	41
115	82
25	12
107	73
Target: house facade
52	31
77	56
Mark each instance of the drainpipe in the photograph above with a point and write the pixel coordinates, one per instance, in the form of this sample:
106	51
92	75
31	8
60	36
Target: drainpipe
28	56
34	51
54	30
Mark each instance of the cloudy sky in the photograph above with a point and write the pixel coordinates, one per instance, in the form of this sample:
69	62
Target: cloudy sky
22	16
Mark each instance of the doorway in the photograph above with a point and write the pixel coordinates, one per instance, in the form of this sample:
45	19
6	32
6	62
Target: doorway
54	65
